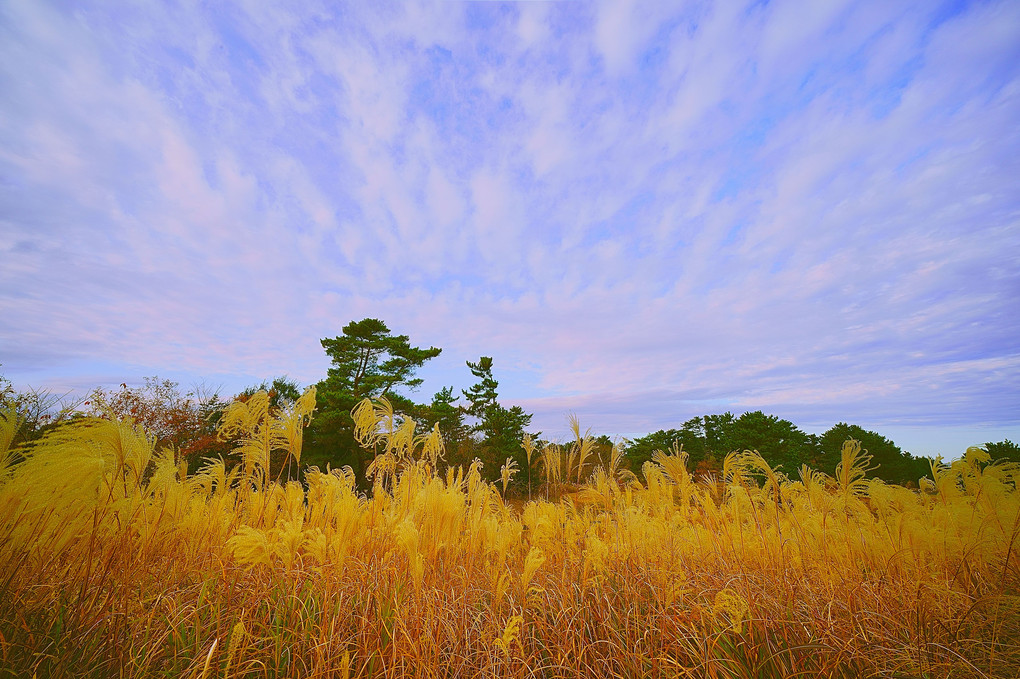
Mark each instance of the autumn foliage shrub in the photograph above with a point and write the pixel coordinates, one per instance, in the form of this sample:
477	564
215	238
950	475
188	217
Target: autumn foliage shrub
116	559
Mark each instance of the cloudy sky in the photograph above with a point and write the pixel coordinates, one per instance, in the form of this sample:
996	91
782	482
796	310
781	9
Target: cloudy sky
644	212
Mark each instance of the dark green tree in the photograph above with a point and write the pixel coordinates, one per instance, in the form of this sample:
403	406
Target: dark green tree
501	429
282	391
701	438
716	430
892	464
1003	450
367	361
450	418
641	449
482	394
779	441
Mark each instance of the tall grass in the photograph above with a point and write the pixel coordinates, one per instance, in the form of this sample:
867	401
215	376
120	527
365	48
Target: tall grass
116	560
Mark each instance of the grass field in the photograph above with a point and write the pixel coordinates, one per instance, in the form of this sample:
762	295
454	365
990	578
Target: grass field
117	561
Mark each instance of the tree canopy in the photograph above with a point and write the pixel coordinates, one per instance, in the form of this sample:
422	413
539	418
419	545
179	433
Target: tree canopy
779	441
892	464
367	361
1005	450
482	394
450	418
502	429
708	439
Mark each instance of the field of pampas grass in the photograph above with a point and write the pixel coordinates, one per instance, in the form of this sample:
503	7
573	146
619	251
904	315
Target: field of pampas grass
118	561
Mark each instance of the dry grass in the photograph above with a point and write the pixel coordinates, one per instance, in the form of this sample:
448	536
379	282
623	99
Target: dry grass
116	561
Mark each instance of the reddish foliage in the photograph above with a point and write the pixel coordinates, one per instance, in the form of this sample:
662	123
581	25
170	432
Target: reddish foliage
175	419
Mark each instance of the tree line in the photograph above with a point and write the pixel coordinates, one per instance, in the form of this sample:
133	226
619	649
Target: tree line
369	361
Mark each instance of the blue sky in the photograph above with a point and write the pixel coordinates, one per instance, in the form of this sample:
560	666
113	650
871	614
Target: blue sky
643	211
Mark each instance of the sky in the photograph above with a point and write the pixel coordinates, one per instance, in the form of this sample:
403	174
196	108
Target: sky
644	212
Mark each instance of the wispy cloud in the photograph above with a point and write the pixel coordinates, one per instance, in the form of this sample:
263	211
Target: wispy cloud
644	214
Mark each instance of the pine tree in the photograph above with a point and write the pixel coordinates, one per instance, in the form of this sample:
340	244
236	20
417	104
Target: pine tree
481	395
367	361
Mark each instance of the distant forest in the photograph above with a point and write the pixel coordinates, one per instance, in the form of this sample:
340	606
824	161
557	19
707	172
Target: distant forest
368	361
